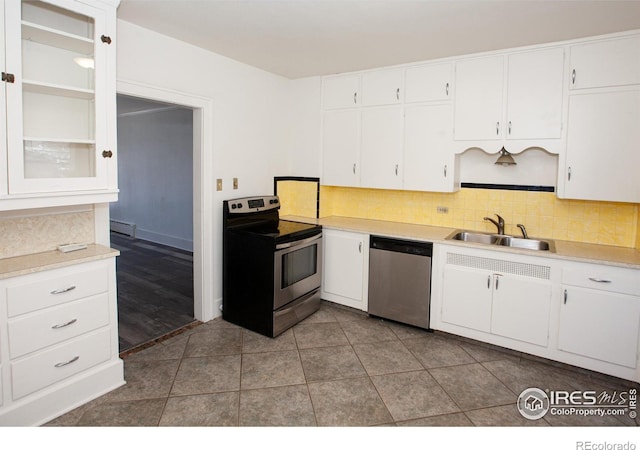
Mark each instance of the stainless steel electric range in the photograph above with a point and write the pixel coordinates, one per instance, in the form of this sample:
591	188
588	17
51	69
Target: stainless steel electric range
271	267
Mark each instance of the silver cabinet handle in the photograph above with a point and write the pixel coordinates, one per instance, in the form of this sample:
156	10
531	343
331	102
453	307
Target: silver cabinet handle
573	76
565	296
569	174
63	290
497	275
599	280
445	171
489	282
359	247
354	168
509	127
497	128
398	94
62	325
72	360
355	98
396	170
446	89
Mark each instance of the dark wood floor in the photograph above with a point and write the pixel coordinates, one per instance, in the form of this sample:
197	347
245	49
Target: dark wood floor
155	290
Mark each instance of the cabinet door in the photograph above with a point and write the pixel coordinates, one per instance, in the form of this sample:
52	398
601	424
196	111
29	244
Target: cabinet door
428	157
431	82
521	308
600	325
381	151
343	275
479	99
614	62
341	148
467	298
382	87
602	146
534	94
340	92
3	126
57	126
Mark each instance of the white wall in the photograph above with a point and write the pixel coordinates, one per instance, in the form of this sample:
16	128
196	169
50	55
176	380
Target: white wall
250	105
303	129
155	175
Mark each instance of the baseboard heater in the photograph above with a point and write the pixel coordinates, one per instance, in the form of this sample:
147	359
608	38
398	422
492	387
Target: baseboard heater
126	228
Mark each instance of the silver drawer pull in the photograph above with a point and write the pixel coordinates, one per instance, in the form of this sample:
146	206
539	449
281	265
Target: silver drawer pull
72	360
599	280
63	290
62	325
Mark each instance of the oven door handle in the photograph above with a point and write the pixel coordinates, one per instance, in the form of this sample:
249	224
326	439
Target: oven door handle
297	243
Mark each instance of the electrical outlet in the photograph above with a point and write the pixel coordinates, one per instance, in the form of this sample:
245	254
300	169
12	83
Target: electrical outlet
219	184
443	210
235	183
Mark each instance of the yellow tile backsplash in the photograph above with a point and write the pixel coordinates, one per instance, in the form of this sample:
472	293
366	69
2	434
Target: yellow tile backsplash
542	213
298	198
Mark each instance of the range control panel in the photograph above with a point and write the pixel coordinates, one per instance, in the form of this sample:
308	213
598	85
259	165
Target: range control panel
253	204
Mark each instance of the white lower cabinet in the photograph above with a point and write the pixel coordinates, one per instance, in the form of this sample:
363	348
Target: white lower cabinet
58	341
345	268
600	313
583	314
497	296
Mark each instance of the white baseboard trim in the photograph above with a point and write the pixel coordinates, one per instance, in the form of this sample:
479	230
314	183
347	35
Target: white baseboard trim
164	239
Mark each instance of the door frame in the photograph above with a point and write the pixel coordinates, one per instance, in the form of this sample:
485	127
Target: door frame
204	227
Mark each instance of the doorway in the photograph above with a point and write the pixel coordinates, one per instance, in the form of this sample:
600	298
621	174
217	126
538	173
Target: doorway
152	222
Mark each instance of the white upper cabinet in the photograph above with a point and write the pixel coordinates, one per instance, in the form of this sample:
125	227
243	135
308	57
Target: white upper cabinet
534	94
60	102
478	99
429	163
381	151
341	91
382	87
512	97
612	62
428	83
602	157
341	148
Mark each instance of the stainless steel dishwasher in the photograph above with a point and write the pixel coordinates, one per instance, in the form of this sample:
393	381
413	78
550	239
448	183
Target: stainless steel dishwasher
400	280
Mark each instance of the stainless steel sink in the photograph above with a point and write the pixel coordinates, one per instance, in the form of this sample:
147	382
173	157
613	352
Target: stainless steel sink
529	244
478	237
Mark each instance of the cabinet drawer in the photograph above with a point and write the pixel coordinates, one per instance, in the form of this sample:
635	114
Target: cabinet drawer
50	326
55	287
611	279
57	363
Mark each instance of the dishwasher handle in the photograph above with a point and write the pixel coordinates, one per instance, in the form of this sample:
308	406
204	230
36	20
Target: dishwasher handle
401	246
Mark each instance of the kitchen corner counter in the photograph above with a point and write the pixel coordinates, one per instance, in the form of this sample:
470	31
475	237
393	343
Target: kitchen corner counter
568	250
37	262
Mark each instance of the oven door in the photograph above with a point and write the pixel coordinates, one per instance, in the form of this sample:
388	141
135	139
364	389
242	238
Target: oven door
298	268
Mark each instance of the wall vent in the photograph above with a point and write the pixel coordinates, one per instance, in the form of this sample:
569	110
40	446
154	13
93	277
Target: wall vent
498	265
126	228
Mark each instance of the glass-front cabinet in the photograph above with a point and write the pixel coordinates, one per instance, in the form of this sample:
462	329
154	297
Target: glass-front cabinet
57	98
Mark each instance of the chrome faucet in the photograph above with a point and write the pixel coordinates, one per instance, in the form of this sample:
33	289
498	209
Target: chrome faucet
524	231
499	224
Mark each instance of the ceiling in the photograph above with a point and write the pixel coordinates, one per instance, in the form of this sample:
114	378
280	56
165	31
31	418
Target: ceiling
300	38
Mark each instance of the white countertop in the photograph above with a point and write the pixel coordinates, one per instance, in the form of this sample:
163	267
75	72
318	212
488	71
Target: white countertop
23	265
568	250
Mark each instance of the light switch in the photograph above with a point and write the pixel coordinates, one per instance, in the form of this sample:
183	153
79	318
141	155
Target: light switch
219	184
235	183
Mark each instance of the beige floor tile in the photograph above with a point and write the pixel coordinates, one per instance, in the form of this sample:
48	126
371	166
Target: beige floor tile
386	357
207	375
120	414
260	370
284	406
434	352
309	335
206	410
331	363
353	402
216	341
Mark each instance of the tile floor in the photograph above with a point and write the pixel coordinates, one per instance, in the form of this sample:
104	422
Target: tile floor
338	367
